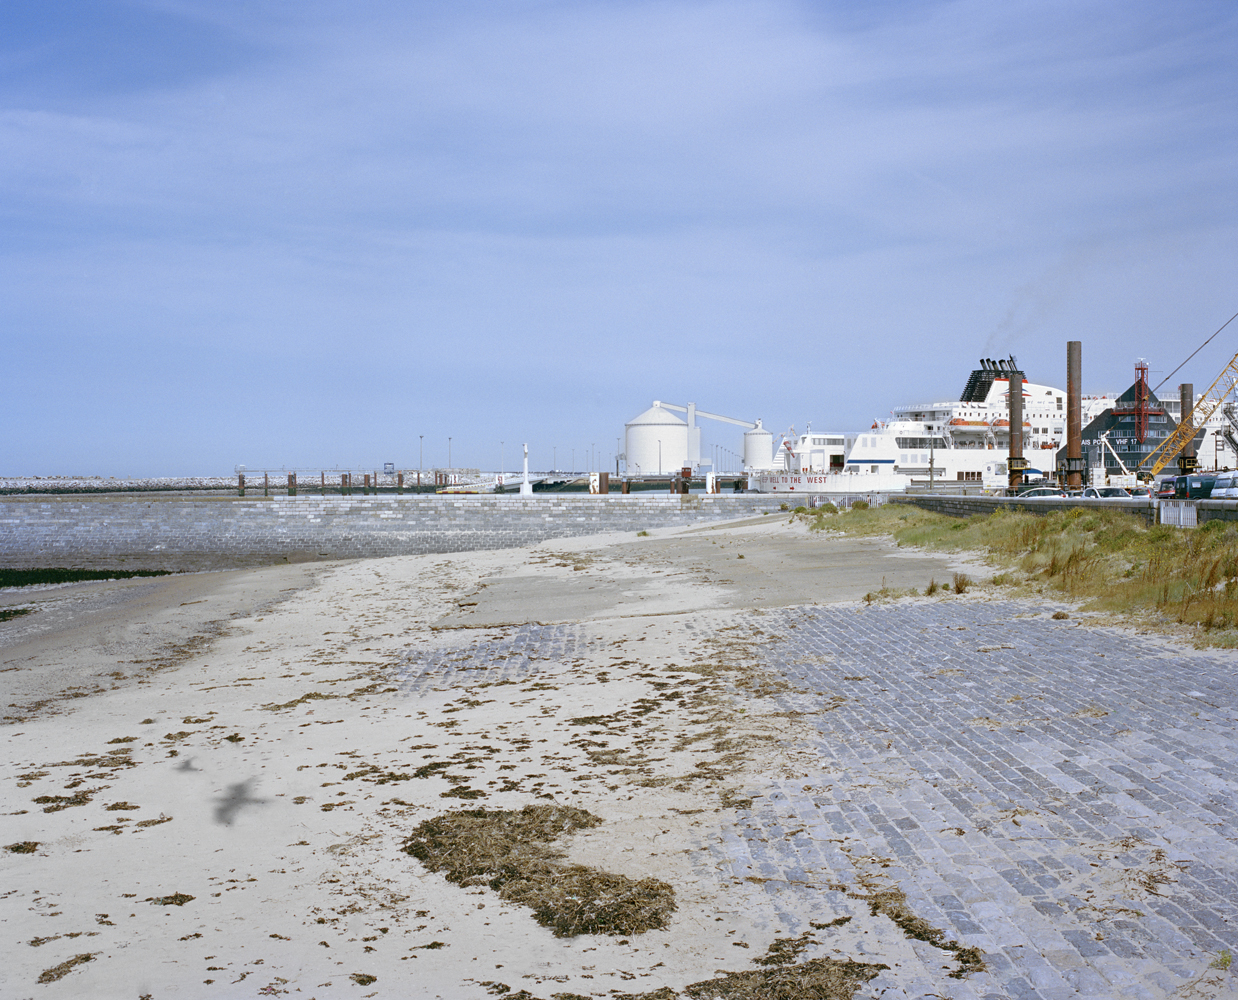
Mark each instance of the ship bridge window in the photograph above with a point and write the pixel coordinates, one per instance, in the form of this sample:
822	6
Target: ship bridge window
918	442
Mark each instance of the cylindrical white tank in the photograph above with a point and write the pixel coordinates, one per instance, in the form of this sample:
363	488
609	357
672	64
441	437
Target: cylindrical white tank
758	448
656	443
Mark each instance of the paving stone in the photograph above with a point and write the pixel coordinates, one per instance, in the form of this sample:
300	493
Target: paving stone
1069	759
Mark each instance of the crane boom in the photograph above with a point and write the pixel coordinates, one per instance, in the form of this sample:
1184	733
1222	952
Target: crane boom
1104	438
1191	422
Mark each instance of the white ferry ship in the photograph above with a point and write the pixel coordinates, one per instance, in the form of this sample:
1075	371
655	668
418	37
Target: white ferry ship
963	441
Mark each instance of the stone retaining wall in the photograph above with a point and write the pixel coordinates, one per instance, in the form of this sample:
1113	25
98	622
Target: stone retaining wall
225	533
961	506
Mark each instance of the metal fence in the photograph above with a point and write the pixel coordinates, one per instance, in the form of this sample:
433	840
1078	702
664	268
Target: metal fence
845	501
1179	513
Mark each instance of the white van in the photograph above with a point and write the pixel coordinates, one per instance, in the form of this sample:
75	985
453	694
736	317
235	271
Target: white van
1226	486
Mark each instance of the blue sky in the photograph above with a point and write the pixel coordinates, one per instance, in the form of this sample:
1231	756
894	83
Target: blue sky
305	234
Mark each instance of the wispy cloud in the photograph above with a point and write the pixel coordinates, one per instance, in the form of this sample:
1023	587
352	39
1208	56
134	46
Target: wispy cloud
540	215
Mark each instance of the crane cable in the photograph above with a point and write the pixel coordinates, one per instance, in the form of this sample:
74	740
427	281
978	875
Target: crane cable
1194	352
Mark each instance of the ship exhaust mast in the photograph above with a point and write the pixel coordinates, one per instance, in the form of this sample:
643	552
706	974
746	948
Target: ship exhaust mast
1016	464
1186	403
1074	413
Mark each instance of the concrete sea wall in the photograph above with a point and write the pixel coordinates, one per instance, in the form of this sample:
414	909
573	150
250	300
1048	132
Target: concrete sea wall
182	534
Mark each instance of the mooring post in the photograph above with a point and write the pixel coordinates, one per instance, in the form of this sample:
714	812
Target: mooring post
324	483
343	484
365	489
292	484
240	483
627	487
266	484
399	484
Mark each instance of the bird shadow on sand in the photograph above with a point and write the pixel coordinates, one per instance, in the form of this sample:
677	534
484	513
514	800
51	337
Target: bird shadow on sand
235	799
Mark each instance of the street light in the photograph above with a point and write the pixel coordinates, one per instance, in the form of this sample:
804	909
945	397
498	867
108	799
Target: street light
449	453
421	455
500	461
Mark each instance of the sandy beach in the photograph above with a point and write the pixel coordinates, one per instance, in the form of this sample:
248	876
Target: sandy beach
214	776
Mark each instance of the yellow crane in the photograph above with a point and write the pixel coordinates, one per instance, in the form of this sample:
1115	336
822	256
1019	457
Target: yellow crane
1189	423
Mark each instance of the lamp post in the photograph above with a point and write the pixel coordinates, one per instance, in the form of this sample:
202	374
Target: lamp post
449	453
659	456
500	461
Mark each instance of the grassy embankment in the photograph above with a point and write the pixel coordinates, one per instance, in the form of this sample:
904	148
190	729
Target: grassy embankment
1106	560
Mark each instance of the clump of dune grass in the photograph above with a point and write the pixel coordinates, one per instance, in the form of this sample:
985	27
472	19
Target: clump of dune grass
1107	560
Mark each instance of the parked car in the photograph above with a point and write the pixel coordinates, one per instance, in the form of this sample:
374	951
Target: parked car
1105	493
1194	487
1166	489
1225	487
1042	492
1142	492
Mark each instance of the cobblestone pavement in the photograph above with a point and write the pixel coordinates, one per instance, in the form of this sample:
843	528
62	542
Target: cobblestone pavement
512	655
1061	796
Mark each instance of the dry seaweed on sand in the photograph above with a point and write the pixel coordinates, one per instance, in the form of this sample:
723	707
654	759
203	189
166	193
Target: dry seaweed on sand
816	979
892	903
64	968
176	899
509	851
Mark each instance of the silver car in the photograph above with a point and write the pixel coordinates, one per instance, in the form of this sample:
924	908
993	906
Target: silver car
1105	493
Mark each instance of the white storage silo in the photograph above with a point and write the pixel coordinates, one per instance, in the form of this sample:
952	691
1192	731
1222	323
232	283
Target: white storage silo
658	443
758	448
